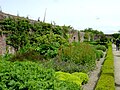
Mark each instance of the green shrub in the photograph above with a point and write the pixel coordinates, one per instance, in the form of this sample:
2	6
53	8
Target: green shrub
100	47
48	45
99	54
84	77
79	53
77	78
106	81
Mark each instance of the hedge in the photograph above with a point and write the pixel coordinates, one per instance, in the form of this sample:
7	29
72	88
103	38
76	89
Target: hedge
106	80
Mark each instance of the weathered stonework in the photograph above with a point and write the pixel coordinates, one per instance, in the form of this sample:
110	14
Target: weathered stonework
2	44
81	36
74	36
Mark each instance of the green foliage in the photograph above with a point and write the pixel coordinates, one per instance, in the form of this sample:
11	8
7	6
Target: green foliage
99	43
106	81
7	56
25	75
116	35
43	37
91	37
65	85
79	53
86	36
99	54
30	55
79	36
83	76
31	76
18	30
96	32
77	57
93	43
64	66
103	38
77	78
49	44
101	47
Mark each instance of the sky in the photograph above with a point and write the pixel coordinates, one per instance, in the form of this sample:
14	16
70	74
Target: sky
102	15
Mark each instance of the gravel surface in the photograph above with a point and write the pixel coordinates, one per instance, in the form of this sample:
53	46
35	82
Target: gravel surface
116	67
94	75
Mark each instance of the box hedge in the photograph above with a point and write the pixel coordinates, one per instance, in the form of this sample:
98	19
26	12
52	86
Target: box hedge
106	80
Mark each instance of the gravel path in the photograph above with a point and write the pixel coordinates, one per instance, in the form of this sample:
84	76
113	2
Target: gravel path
94	75
116	67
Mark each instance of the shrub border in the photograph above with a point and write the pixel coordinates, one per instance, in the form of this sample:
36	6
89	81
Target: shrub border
106	80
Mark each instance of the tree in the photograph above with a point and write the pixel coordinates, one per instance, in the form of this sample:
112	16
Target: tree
103	38
116	35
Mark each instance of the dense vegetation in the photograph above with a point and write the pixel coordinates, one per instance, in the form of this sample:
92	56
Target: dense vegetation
33	76
58	64
42	37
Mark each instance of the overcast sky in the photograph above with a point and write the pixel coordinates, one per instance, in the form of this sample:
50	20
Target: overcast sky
102	15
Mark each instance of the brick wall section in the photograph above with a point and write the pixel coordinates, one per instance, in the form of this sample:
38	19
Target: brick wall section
2	44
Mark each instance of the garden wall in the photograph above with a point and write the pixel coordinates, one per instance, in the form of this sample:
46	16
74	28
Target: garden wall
2	44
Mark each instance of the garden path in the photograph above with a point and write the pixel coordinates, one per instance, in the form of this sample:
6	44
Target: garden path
116	67
94	75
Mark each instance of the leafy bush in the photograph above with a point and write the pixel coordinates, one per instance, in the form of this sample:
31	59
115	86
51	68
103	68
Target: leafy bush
101	47
79	53
24	75
77	78
106	81
84	77
48	45
99	54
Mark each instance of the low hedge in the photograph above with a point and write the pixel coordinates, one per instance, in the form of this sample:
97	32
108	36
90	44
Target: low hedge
106	81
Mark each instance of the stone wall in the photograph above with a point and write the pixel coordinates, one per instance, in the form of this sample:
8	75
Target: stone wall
74	36
4	48
2	44
81	36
